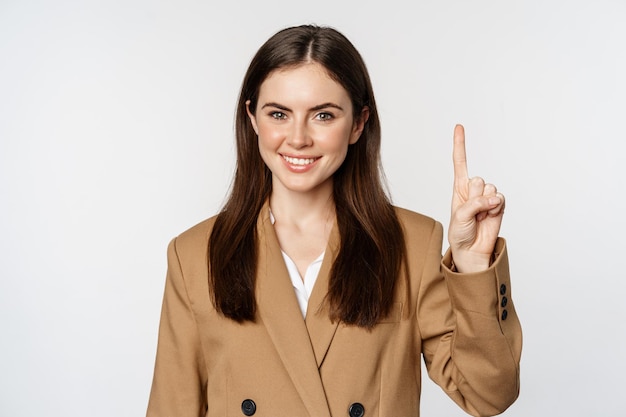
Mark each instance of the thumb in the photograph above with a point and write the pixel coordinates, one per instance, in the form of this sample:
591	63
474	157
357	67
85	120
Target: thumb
474	206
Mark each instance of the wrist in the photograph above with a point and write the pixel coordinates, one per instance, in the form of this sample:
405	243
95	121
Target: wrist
469	263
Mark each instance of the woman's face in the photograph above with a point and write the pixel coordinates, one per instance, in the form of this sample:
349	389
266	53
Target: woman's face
304	122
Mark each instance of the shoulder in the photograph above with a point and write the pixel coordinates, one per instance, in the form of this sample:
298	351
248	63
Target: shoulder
195	240
423	239
421	233
411	220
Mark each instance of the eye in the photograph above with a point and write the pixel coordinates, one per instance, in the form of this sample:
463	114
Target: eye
278	115
324	116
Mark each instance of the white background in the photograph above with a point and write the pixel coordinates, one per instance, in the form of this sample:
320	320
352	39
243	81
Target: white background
116	134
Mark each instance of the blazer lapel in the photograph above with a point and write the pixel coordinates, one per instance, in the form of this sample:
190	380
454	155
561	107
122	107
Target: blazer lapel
280	314
321	329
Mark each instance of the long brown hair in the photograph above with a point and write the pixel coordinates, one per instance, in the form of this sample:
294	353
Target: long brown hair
363	276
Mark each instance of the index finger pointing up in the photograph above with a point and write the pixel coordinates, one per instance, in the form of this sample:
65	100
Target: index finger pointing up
458	155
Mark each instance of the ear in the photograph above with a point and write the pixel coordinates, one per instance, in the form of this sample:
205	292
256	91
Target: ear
359	125
252	117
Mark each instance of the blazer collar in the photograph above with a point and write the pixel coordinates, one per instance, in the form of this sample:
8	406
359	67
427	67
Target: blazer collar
321	329
279	312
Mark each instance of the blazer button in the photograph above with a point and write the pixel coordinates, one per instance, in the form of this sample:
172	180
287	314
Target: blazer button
356	410
502	289
504	314
504	302
248	407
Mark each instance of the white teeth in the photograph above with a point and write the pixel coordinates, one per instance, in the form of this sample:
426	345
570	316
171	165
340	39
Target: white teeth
299	161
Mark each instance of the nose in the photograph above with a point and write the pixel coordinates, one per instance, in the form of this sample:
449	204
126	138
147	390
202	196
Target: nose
298	136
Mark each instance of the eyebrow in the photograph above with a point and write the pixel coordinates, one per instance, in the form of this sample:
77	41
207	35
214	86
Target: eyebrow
314	108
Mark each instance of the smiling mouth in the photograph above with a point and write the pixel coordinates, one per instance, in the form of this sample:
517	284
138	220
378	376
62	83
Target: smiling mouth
299	161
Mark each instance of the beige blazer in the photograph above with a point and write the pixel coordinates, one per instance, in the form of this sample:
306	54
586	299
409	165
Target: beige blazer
465	327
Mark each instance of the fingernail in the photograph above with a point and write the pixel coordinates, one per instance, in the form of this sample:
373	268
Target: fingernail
494	200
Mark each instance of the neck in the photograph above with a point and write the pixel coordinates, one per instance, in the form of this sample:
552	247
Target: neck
301	209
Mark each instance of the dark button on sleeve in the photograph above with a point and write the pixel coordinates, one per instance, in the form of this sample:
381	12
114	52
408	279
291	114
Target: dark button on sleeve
502	289
248	407
504	302
504	314
356	410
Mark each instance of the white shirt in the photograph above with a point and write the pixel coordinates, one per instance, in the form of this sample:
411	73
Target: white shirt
303	286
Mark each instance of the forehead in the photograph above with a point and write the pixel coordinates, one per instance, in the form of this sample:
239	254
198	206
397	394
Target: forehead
305	82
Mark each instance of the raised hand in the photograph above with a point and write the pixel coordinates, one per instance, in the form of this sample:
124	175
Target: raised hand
477	210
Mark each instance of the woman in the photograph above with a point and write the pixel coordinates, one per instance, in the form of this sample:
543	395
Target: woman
310	294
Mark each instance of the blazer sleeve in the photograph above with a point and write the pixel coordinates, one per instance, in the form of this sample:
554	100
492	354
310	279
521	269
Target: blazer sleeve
471	336
180	376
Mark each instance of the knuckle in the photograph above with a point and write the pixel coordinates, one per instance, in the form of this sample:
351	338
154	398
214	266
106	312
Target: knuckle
490	188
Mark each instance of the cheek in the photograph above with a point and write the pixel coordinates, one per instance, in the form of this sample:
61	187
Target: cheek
270	135
339	140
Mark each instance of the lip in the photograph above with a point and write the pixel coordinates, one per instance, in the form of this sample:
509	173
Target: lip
299	163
